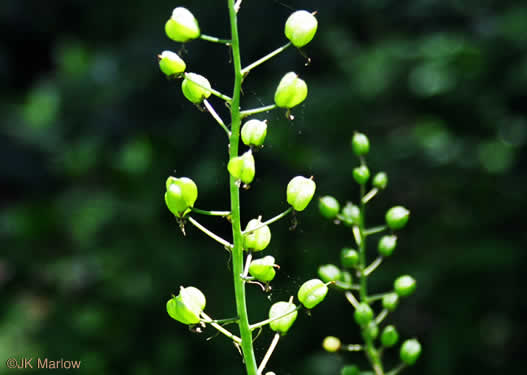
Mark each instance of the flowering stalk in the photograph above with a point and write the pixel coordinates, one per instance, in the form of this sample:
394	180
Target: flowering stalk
237	250
355	217
182	193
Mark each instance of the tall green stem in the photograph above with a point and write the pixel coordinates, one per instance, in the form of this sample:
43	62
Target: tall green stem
369	347
237	250
362	251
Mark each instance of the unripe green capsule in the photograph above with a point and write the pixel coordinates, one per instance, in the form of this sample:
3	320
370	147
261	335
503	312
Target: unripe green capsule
350	370
363	314
312	292
258	239
282	325
300	28
387	245
360	144
263	269
349	258
372	330
410	351
171	64
404	285
254	132
291	91
242	167
350	214
361	174
329	272
390	301
300	191
380	180
397	217
195	87
187	305
181	195
331	344
389	336
329	207
182	26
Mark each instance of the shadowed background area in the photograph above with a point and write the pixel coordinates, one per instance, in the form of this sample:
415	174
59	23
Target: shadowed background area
91	129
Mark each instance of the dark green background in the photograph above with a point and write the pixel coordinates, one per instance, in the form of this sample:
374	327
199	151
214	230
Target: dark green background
90	129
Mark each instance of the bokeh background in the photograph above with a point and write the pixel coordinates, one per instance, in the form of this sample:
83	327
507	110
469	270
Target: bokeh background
90	129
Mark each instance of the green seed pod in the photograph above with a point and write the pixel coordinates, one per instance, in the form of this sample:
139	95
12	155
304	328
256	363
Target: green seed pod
254	132
350	214
372	330
387	245
300	28
363	314
187	305
171	64
361	174
263	269
182	26
390	301
404	285
282	325
195	87
258	239
291	91
242	167
350	370
300	190
360	144
380	180
397	217
329	207
312	292
181	195
389	336
349	257
410	351
331	344
329	272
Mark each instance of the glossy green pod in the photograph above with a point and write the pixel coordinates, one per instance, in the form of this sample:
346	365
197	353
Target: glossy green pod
291	91
242	167
171	64
397	217
254	132
187	305
300	28
182	25
312	292
180	196
259	239
263	269
195	87
300	191
328	206
283	324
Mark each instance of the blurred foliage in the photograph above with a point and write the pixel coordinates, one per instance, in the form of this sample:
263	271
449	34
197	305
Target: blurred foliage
90	131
